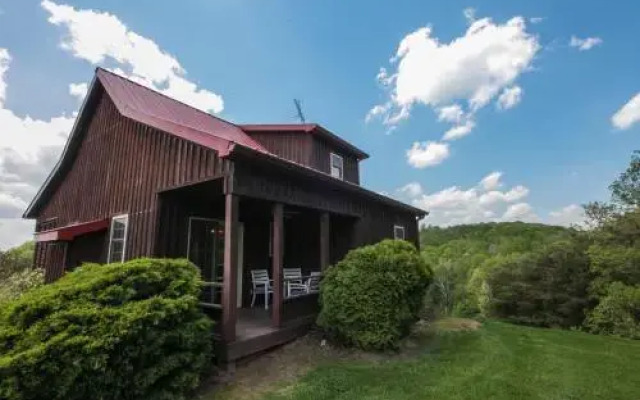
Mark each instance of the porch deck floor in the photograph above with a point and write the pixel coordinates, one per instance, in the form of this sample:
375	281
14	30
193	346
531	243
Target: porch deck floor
254	333
253	322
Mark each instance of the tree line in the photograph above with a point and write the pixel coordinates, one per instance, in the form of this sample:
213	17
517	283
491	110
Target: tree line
585	277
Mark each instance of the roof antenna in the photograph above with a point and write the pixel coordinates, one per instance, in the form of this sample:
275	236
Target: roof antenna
299	113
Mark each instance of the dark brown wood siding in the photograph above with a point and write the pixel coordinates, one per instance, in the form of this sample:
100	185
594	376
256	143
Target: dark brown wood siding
366	220
309	150
292	146
118	169
320	153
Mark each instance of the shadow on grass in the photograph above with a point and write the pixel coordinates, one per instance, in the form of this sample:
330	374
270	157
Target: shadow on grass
281	368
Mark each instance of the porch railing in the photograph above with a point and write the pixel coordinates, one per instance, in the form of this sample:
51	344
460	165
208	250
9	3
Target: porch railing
214	287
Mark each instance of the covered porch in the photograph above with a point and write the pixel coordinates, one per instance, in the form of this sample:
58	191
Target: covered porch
261	260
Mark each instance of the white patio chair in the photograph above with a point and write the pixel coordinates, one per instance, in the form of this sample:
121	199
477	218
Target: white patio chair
293	280
312	285
260	284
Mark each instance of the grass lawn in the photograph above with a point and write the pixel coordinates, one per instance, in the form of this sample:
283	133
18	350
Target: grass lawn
497	361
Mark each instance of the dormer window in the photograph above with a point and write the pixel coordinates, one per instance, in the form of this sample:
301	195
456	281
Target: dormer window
337	166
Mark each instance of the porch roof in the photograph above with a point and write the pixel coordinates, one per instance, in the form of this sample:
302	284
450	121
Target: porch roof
303	170
69	232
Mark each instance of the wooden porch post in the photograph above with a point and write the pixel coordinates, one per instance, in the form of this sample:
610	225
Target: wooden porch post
229	296
276	266
324	241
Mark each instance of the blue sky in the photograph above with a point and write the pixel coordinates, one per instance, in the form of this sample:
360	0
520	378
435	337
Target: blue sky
538	125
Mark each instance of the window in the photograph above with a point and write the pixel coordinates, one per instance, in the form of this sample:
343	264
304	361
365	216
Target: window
337	166
118	238
398	232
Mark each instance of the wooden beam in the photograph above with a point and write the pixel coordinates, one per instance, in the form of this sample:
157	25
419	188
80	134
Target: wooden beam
229	296
324	241
276	264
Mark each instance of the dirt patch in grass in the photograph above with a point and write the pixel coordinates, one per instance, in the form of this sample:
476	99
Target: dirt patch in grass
282	366
457	324
285	365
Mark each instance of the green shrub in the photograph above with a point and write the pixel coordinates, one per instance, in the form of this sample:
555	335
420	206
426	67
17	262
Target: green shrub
372	297
20	282
618	313
17	259
118	331
548	287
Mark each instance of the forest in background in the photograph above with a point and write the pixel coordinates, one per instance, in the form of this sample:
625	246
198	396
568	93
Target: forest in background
585	277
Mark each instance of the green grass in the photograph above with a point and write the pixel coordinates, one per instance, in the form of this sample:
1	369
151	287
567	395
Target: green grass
498	361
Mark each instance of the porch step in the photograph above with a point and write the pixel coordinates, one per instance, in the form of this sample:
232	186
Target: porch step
242	348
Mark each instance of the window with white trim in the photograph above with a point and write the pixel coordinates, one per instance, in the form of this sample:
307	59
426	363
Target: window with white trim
118	238
398	232
337	166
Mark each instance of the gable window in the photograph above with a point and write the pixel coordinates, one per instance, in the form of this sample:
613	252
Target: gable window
337	166
118	238
398	232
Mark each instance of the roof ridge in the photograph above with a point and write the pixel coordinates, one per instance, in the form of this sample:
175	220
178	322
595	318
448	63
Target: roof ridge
165	96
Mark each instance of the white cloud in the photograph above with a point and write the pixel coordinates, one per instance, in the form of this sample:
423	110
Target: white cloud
98	37
586	43
459	131
78	90
427	154
473	68
536	20
520	212
14	232
483	202
452	113
5	59
496	196
509	97
377	110
456	78
411	189
10	205
570	215
628	115
491	181
469	14
28	150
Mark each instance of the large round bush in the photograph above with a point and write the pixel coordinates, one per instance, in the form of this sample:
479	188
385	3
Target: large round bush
373	296
119	331
618	312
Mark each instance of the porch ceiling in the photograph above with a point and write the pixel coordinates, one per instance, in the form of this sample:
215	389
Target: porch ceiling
209	190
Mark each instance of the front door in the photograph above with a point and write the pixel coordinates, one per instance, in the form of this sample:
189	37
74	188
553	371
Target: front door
206	251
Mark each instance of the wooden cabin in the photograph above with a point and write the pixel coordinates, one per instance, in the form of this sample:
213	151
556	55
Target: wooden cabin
143	175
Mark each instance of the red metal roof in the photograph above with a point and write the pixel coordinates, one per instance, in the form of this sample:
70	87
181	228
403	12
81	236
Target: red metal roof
169	115
316	129
67	233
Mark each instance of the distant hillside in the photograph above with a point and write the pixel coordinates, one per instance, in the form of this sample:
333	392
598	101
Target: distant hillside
506	236
462	256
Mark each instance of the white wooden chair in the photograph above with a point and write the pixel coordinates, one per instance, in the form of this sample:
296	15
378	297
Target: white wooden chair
260	284
312	285
293	280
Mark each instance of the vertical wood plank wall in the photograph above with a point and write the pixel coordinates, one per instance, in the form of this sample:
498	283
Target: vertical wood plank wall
309	150
374	220
292	146
320	152
119	167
